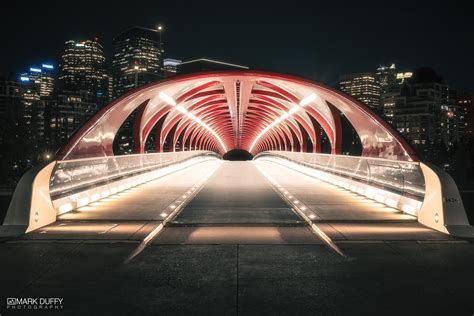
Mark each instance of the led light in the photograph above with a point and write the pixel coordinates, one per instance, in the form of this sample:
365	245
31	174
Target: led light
410	209
65	208
436	217
380	198
173	206
83	201
312	216
182	109
310	98
391	203
163	214
37	217
294	109
303	208
184	196
296	201
167	99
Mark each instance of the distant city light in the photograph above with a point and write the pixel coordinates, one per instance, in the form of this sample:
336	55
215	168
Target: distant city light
47	66
24	79
35	69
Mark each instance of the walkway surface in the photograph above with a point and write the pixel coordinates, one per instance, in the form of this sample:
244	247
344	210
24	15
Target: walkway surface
236	247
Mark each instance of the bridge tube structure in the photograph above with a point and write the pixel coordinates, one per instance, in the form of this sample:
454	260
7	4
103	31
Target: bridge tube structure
252	110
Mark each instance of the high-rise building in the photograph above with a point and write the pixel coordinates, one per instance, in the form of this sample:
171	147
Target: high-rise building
390	81
83	68
427	114
137	58
465	100
10	102
386	77
363	87
39	79
170	66
64	113
403	76
17	138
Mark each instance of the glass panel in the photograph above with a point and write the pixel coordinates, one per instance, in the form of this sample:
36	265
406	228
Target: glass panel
402	177
75	175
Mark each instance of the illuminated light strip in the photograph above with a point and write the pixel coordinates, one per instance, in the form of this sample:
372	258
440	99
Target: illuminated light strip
183	110
76	201
167	99
176	207
299	210
307	100
376	195
310	98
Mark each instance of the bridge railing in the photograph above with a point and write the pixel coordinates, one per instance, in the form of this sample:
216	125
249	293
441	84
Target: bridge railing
71	176
402	177
417	188
46	191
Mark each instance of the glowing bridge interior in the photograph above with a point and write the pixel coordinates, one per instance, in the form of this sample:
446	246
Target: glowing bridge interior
186	124
254	111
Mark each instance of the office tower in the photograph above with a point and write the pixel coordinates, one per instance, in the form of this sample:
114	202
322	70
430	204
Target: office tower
427	114
363	87
64	113
170	66
465	100
40	79
137	59
83	68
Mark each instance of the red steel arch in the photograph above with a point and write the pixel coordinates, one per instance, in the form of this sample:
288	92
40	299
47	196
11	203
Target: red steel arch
251	110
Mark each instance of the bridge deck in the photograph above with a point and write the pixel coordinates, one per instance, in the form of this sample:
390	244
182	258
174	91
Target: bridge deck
237	193
236	205
231	267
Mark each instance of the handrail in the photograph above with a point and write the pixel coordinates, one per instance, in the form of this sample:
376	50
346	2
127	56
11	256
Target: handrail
72	175
403	177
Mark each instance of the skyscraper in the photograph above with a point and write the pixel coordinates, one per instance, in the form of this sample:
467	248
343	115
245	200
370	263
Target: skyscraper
83	68
63	114
427	114
465	100
170	66
137	58
40	79
363	87
386	77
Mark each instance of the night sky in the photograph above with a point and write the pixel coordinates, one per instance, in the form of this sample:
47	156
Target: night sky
319	42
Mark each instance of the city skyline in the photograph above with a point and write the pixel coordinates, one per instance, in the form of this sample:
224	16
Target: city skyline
319	43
